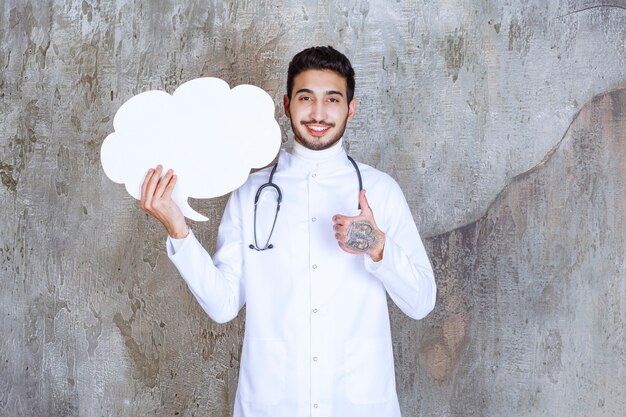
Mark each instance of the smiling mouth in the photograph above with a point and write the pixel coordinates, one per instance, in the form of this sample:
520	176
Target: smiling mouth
317	129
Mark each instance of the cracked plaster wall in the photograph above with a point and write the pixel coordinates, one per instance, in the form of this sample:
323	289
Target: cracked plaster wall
502	121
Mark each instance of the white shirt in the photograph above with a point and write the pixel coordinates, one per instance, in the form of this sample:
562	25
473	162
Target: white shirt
317	339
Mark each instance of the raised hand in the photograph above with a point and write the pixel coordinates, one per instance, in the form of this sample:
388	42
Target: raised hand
156	199
360	234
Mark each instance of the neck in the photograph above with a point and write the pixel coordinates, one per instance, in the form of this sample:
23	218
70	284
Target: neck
310	155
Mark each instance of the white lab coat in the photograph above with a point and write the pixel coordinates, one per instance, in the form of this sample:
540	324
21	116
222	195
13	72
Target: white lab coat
317	336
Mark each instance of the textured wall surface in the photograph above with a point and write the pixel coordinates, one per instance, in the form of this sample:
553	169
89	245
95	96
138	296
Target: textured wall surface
504	123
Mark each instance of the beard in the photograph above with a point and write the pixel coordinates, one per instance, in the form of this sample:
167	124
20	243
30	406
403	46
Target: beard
317	144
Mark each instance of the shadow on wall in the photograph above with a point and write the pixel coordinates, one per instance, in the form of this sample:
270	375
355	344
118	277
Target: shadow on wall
531	313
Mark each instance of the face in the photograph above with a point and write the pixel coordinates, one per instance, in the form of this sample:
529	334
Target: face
319	108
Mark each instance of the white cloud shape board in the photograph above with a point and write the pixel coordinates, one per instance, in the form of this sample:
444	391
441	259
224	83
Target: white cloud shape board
210	135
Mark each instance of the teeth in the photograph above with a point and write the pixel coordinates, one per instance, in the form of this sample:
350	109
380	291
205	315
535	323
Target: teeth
317	128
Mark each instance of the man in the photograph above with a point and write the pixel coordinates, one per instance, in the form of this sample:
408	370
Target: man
313	274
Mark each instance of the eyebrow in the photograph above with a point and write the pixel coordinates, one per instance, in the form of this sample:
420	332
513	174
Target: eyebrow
328	93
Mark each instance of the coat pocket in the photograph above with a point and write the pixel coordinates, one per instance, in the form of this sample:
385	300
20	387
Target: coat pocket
370	377
262	377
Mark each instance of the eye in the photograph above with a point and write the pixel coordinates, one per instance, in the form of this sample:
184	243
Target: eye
333	100
304	98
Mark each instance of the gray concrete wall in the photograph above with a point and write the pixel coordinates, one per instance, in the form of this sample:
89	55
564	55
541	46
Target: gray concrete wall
504	122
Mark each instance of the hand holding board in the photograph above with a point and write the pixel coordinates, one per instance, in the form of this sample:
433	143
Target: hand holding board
210	135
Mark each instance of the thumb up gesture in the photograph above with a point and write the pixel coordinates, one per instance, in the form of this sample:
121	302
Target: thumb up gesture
359	234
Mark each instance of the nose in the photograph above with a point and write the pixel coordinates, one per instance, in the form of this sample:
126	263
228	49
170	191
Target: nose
318	111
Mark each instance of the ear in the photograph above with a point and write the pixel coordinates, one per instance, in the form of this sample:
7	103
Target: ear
351	109
286	105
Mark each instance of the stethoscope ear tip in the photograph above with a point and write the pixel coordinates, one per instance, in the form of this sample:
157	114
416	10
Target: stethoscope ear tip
251	246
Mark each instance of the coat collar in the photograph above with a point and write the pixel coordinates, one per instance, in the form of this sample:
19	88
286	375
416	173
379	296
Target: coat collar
290	160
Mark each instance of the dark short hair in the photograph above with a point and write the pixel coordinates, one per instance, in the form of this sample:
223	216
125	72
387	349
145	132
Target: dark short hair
321	58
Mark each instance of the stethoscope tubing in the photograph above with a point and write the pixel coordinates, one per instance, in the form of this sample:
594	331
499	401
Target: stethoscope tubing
279	199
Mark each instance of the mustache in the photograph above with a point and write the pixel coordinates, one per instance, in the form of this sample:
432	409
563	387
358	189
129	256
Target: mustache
321	122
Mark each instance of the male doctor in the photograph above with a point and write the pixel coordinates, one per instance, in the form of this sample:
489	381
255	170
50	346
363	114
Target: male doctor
315	273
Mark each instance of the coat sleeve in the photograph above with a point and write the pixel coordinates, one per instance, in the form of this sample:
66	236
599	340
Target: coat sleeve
216	281
405	269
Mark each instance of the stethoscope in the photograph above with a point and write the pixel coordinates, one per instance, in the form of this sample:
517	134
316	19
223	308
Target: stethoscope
279	198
